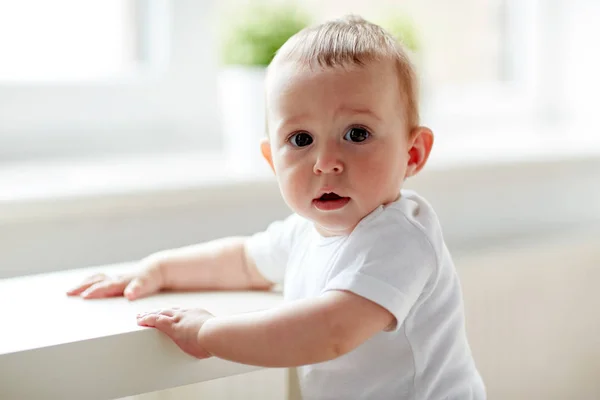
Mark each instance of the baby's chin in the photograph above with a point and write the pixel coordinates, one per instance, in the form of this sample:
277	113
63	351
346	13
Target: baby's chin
335	225
331	223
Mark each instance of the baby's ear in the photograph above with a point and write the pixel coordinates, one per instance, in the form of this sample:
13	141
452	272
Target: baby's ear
265	149
421	142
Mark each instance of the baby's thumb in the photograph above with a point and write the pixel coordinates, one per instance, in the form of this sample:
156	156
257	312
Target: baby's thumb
137	288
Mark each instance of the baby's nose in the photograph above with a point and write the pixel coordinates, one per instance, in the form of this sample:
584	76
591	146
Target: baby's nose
328	164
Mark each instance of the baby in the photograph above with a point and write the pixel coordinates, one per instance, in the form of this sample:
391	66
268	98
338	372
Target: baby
373	305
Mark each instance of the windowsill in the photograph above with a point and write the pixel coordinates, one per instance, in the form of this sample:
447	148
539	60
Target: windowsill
33	189
74	343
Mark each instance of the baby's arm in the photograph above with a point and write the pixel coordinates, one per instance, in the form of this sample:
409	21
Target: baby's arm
302	332
218	264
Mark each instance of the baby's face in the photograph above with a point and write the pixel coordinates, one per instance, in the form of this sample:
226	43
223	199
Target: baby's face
338	141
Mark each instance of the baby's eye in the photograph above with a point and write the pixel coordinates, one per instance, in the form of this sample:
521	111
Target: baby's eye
357	135
301	139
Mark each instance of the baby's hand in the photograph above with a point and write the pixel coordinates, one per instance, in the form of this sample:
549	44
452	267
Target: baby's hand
133	286
181	325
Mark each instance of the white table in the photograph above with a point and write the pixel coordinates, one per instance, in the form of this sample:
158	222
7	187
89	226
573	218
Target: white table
57	347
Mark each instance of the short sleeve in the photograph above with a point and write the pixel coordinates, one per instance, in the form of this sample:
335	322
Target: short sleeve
389	264
270	249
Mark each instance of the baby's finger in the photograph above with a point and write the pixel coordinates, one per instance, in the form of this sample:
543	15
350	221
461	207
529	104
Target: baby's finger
139	287
159	321
169	312
104	289
79	289
86	284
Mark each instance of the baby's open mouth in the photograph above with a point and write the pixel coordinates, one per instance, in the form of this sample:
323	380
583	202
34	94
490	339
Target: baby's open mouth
329	196
330	201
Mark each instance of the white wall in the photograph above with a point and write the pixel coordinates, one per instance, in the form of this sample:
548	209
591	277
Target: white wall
533	336
127	228
532	318
477	206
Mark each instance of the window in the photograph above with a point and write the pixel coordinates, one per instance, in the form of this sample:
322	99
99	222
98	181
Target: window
102	77
66	40
138	76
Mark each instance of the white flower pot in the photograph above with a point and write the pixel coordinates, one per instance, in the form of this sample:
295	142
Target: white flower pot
242	104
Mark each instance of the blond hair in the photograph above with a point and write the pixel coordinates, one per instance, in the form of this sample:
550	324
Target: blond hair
352	40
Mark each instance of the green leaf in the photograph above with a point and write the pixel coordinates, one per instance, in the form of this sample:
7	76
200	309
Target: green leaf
253	34
403	29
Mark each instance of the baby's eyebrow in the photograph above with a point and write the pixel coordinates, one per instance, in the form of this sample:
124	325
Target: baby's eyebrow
294	120
359	110
283	125
301	119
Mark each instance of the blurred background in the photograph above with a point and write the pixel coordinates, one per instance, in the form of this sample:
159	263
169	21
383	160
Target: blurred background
131	126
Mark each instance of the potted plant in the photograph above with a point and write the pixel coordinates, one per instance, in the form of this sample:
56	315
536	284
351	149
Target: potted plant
250	37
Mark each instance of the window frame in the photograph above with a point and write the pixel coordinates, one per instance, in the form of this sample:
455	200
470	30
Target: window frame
166	102
509	103
171	103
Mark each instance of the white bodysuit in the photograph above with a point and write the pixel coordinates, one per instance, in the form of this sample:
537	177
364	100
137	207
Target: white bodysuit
395	257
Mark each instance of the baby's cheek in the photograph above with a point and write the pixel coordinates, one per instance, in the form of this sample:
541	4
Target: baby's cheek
379	178
292	190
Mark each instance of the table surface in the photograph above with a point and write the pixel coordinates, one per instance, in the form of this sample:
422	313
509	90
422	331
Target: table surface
56	346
